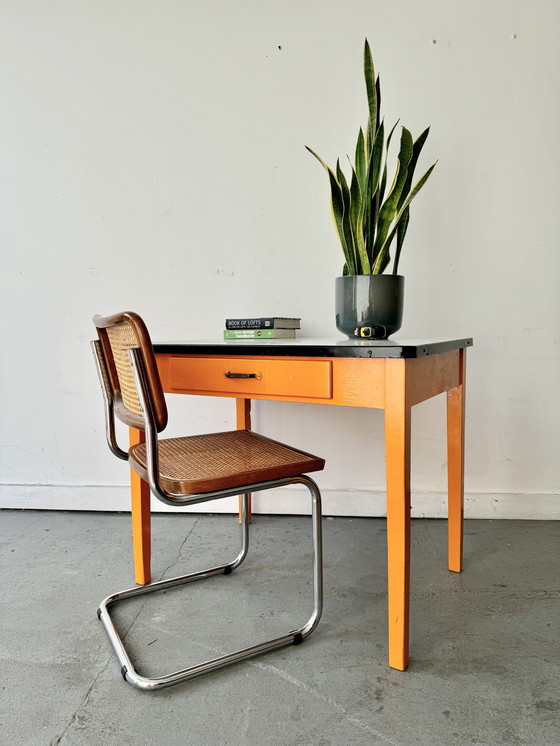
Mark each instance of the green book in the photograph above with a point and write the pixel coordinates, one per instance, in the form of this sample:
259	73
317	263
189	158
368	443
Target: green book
259	333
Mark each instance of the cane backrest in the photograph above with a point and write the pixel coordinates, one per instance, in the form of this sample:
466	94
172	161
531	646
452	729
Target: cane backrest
118	334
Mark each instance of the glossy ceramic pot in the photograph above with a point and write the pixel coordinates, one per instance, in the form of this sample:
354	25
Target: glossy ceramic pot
369	306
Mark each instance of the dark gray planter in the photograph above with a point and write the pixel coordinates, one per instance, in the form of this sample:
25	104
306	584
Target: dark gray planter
369	305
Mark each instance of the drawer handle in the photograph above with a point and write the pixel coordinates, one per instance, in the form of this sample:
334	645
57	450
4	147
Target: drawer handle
229	374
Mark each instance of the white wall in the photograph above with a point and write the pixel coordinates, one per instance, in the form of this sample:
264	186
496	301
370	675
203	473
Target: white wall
153	160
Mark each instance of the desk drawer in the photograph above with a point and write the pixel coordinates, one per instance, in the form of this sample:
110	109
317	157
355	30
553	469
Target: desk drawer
298	378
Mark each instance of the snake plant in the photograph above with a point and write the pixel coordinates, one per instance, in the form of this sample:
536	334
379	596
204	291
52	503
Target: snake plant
367	216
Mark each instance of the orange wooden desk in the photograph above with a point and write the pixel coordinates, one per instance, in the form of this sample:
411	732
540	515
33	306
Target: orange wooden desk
393	375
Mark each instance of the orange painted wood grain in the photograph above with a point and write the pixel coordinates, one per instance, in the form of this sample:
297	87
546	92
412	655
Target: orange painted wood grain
243	422
456	466
397	459
352	382
141	518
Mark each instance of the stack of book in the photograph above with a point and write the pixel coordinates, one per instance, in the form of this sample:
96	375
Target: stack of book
268	327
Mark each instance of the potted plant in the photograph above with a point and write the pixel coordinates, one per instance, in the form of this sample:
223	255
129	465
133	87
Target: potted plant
369	216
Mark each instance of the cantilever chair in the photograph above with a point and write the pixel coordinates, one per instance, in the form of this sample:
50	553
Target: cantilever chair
191	470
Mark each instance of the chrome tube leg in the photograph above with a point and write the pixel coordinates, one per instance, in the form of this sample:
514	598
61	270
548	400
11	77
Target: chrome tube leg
316	517
244	533
317	554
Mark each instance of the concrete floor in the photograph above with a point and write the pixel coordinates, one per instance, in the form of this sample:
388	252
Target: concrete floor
484	644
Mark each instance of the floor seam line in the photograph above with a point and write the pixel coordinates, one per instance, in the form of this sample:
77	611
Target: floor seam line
81	705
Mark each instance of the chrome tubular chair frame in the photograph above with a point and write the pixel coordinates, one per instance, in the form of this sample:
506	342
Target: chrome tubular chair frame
293	637
107	400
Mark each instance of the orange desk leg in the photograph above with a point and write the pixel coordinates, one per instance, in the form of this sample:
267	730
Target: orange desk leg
455	468
140	508
397	455
243	411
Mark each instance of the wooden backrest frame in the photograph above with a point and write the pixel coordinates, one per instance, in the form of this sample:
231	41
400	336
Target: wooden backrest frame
150	371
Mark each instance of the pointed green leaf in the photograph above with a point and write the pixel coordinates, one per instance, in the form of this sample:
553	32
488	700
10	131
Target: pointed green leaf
371	202
374	170
355	196
391	134
381	192
378	92
337	209
357	207
390	206
403	224
346	221
361	161
401	233
416	150
369	75
382	255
